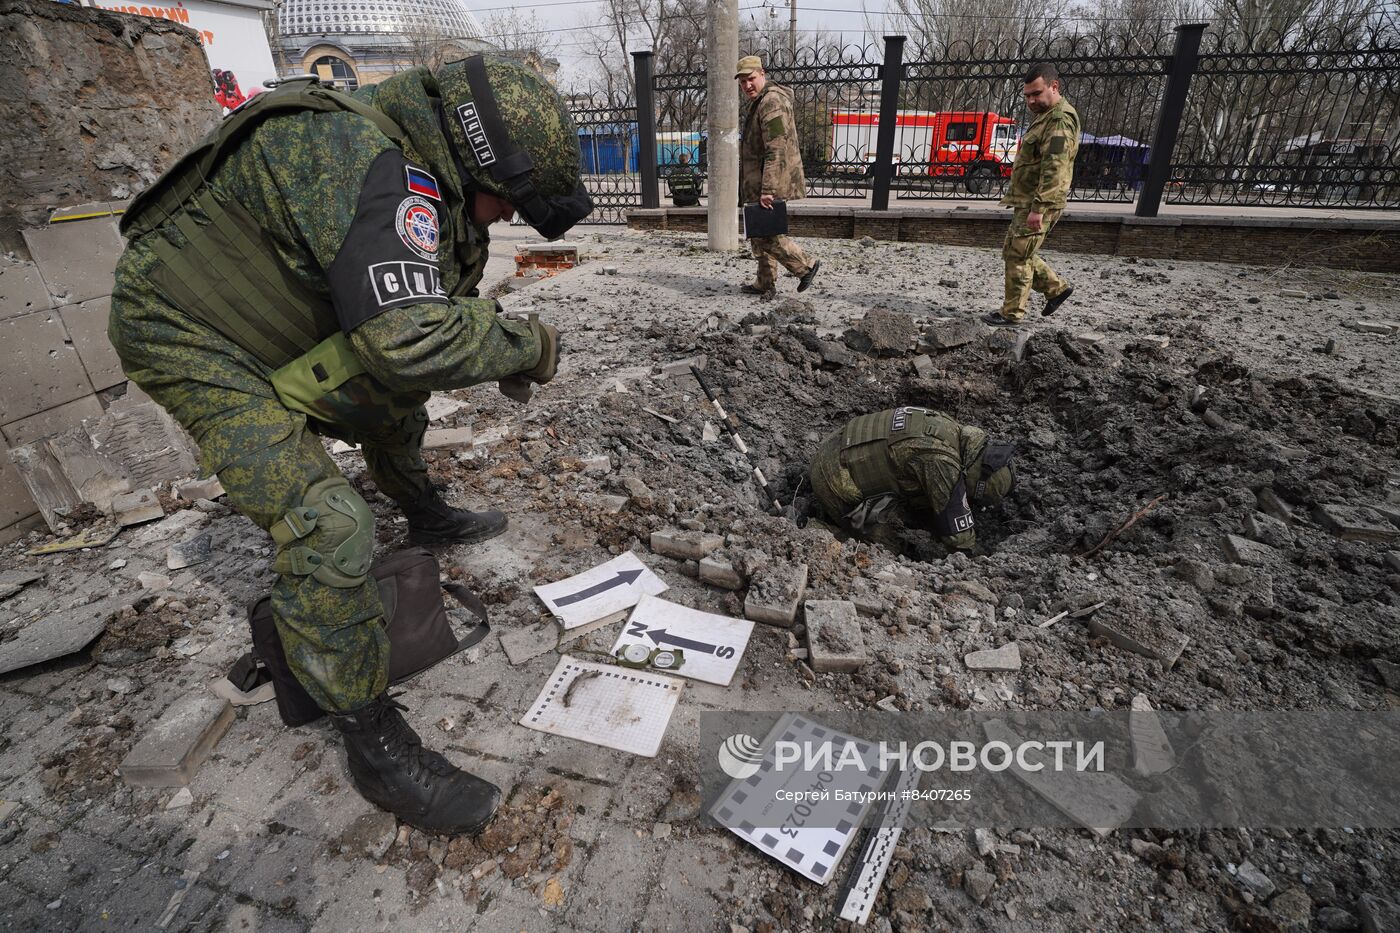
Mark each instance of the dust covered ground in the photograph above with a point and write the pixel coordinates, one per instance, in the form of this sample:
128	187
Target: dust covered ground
1211	395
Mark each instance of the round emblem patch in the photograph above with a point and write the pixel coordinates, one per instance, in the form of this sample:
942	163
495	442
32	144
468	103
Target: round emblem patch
417	226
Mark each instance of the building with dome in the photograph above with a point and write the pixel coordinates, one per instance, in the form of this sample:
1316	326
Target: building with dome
355	42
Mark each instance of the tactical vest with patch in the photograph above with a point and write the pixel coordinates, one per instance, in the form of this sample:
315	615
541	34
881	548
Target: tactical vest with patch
866	443
226	274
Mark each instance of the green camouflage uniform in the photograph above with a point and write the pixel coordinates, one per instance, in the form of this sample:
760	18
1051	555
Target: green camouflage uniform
1040	182
908	459
684	184
770	163
311	179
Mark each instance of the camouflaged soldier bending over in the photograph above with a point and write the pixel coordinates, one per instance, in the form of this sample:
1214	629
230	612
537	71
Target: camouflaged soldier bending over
1040	182
310	269
770	169
912	462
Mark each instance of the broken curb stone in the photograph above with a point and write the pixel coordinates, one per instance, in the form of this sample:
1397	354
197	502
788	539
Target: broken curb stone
720	572
684	545
775	593
834	639
176	744
1355	523
1005	658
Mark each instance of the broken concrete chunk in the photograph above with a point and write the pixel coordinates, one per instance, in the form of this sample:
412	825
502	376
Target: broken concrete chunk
1141	636
978	884
1268	530
188	553
1005	658
1152	751
153	582
1247	552
448	438
1374	327
1009	340
174	747
882	333
1155	341
1254	880
135	508
1091	337
524	644
1355	523
1271	504
182	798
1389	672
775	593
57	634
599	465
1392	560
193	489
1293	293
948	333
12	581
609	505
720	572
710	432
682	367
923	366
684	545
834	639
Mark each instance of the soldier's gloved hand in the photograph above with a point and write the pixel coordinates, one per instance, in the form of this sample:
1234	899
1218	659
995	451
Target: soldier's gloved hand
548	365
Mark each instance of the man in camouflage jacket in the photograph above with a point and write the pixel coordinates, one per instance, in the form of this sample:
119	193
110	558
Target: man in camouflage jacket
366	231
770	169
914	463
1040	182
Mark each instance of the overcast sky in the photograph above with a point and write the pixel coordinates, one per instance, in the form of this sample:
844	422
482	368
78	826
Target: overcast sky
568	17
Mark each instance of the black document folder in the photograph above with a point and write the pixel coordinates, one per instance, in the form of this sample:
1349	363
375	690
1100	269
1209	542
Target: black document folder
760	221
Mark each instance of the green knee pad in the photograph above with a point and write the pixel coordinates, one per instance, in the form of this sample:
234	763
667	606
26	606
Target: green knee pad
343	529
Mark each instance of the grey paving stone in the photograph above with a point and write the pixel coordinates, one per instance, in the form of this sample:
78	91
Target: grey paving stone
173	747
834	638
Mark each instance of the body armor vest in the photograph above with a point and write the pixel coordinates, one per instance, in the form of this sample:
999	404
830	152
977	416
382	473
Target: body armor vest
226	274
866	444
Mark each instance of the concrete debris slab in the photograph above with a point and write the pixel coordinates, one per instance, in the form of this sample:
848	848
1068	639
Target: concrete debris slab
682	367
720	572
176	744
1355	523
924	367
1154	341
597	465
447	438
949	333
12	581
684	545
182	798
528	643
135	508
978	884
834	638
1375	327
1005	658
600	591
153	582
8	808
440	405
1247	552
1392	560
1270	504
882	333
775	593
194	489
607	504
1253	880
1141	636
889	704
57	634
1390	513
1098	801
1011	341
710	432
1091	337
188	553
1152	750
370	834
1268	530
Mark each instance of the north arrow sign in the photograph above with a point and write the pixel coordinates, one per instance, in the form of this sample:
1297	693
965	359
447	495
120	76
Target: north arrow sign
660	637
623	578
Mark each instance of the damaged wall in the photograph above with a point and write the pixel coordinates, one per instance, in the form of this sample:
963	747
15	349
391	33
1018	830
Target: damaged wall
96	105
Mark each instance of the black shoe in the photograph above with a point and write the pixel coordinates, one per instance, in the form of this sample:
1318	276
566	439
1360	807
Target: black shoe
392	770
748	289
995	319
808	276
1055	302
433	521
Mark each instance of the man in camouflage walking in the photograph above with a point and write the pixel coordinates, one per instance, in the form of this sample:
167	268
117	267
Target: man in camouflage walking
770	169
1040	182
310	269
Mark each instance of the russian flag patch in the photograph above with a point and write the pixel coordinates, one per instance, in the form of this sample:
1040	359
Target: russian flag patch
420	182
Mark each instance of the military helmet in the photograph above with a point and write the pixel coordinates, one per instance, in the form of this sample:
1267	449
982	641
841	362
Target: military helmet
515	139
997	477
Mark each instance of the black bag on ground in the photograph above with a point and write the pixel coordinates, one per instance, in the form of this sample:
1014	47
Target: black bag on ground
420	634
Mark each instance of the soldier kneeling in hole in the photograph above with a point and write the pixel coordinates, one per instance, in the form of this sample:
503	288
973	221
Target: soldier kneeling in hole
917	464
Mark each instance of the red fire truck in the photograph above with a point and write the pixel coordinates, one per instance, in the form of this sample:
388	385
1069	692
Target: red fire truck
975	146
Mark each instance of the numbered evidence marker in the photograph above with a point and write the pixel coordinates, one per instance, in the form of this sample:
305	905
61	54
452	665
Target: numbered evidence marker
713	644
600	591
809	837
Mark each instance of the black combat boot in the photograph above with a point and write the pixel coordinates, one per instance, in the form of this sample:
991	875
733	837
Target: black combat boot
433	521
391	769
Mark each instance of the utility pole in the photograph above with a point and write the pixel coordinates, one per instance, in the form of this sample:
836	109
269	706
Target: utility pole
722	102
792	29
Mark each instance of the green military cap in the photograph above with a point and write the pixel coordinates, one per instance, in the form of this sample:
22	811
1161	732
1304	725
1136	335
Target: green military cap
748	65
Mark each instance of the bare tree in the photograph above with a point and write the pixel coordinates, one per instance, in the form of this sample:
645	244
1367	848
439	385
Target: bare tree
523	36
426	45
